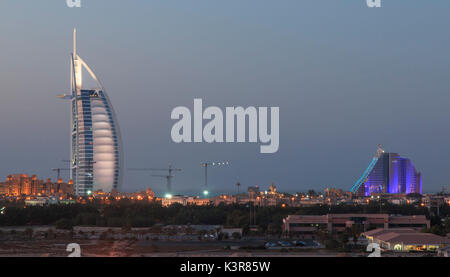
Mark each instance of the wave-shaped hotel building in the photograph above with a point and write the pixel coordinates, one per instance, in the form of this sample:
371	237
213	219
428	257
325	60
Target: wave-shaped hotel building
96	147
388	173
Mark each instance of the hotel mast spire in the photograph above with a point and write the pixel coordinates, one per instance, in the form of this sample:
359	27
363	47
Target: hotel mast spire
77	65
75	43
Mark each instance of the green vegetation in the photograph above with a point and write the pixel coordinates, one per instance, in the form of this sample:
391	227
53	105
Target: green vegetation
64	224
440	228
125	213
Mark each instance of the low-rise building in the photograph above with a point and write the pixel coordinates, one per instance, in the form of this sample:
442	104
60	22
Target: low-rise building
197	201
307	225
225	199
41	201
185	200
406	239
231	231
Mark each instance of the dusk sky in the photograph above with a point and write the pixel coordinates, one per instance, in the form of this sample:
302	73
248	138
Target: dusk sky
346	78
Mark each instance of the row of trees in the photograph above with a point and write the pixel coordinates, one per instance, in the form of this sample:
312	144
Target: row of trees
441	228
125	213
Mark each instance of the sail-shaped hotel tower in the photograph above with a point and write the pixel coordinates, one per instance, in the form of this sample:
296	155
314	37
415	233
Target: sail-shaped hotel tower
95	142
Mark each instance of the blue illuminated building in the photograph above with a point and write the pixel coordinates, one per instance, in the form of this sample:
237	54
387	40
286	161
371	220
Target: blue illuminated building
388	173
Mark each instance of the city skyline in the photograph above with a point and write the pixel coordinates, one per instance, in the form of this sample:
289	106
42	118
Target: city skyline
339	96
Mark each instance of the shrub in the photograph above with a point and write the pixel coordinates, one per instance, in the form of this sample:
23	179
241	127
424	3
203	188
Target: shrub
236	235
64	224
28	233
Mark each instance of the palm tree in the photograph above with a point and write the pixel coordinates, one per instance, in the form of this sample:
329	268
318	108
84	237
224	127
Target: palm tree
356	232
238	185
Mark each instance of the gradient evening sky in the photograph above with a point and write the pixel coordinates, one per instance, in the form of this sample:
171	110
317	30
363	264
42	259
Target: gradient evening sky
345	77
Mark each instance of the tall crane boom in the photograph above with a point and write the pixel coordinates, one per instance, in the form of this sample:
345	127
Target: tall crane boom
206	165
58	172
169	177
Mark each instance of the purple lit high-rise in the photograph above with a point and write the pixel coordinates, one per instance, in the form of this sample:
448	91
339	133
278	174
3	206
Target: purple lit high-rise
388	173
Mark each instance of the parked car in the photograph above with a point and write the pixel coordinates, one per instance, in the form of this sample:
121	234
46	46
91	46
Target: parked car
285	243
299	243
271	244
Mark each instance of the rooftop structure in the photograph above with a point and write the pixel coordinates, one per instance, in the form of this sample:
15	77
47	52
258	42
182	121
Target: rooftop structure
405	239
309	224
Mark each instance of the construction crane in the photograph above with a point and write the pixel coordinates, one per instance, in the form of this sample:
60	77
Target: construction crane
206	165
238	185
168	177
58	172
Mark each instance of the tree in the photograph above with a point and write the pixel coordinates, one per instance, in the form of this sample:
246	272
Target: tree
64	224
344	238
447	225
172	232
189	230
331	244
236	235
28	233
50	234
274	229
438	230
322	233
356	231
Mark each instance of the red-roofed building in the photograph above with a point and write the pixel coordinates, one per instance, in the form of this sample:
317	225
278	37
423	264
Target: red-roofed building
307	225
405	239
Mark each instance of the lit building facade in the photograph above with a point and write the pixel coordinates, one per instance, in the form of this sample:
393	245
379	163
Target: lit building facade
22	184
96	147
389	173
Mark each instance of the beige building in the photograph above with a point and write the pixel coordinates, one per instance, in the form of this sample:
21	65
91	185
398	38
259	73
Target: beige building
406	239
307	225
185	200
22	184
